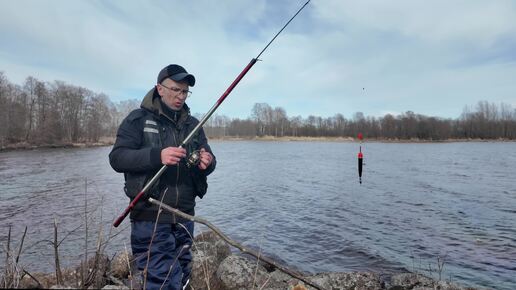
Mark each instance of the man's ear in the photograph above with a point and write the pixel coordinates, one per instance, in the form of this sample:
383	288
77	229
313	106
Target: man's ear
159	89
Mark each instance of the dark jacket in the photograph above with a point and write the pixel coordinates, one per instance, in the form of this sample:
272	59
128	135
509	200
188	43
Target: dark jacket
137	153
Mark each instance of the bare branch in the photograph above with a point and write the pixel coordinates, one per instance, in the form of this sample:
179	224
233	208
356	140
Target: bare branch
232	242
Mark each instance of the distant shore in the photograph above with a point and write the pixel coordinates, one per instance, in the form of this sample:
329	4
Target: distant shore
349	139
106	141
109	141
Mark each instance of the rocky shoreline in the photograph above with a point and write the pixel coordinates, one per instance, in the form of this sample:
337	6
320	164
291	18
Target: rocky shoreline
215	267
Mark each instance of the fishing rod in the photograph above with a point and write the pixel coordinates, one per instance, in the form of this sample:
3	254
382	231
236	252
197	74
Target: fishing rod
195	157
360	158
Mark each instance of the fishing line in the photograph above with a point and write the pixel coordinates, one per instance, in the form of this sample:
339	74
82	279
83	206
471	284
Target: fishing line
192	160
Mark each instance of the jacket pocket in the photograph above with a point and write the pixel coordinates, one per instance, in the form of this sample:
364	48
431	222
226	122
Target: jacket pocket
134	185
200	183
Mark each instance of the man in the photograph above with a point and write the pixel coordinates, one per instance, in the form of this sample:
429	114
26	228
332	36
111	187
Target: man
147	139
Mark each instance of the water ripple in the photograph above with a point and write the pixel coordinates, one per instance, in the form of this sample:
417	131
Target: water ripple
302	204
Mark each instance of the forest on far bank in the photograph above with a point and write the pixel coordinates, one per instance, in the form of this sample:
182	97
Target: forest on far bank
46	113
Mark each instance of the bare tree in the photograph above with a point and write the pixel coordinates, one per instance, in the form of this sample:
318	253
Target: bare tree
29	89
54	113
262	114
295	124
4	116
279	121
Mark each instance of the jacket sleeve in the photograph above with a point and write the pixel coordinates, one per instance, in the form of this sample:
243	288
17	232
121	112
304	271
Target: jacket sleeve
127	154
203	141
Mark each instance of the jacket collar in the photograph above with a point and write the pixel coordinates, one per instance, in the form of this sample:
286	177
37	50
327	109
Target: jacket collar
152	102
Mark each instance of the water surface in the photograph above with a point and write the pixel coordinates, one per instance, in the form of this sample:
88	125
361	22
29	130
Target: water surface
301	203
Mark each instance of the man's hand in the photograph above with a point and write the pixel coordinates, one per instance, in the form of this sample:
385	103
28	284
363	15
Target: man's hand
172	155
206	159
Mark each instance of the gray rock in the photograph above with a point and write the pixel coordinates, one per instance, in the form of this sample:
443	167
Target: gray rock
417	281
411	280
277	275
115	287
353	280
208	251
278	280
444	285
120	265
241	273
61	287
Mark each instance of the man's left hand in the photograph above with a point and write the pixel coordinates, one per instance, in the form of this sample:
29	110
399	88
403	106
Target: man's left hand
206	159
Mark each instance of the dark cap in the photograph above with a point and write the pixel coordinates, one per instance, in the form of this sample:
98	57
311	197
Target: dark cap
176	73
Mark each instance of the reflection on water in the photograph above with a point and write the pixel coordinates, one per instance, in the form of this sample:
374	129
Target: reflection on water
300	202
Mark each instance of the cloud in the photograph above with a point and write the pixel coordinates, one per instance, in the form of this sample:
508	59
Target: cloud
429	57
430	21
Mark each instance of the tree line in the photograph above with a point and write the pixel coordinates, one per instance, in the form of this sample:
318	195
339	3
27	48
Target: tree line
46	113
484	121
43	113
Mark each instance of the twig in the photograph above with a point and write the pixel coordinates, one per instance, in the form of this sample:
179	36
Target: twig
95	267
184	247
21	245
258	260
440	266
67	234
104	245
111	236
82	272
85	263
266	281
152	240
59	274
34	278
7	257
116	280
129	266
149	251
204	266
231	242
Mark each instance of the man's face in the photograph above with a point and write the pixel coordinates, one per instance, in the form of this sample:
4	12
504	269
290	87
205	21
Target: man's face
173	93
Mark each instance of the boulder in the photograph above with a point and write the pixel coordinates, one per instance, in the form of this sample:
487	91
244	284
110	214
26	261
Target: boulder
411	280
120	265
61	287
352	280
208	251
115	287
240	273
416	281
216	268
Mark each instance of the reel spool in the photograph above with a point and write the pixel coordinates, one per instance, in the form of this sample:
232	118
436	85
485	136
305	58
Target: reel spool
194	159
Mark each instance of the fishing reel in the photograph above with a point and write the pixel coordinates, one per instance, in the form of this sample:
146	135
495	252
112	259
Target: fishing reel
193	159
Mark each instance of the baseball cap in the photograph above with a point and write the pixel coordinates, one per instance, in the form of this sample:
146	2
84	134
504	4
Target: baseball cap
176	73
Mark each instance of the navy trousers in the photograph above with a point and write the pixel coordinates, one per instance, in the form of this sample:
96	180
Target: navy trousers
169	263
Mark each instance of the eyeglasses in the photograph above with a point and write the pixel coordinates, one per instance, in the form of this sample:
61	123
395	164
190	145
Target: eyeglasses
178	91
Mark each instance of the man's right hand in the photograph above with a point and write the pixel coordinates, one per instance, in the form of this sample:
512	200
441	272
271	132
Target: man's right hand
172	155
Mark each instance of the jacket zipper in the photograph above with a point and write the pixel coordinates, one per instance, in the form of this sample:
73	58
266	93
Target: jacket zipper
177	188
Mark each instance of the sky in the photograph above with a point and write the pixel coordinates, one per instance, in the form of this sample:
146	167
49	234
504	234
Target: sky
337	56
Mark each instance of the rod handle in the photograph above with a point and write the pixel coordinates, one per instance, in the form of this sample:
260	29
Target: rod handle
126	212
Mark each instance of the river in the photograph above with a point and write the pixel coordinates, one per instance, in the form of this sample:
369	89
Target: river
300	202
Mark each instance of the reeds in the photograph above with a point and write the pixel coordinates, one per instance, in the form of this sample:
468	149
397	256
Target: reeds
92	272
13	272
